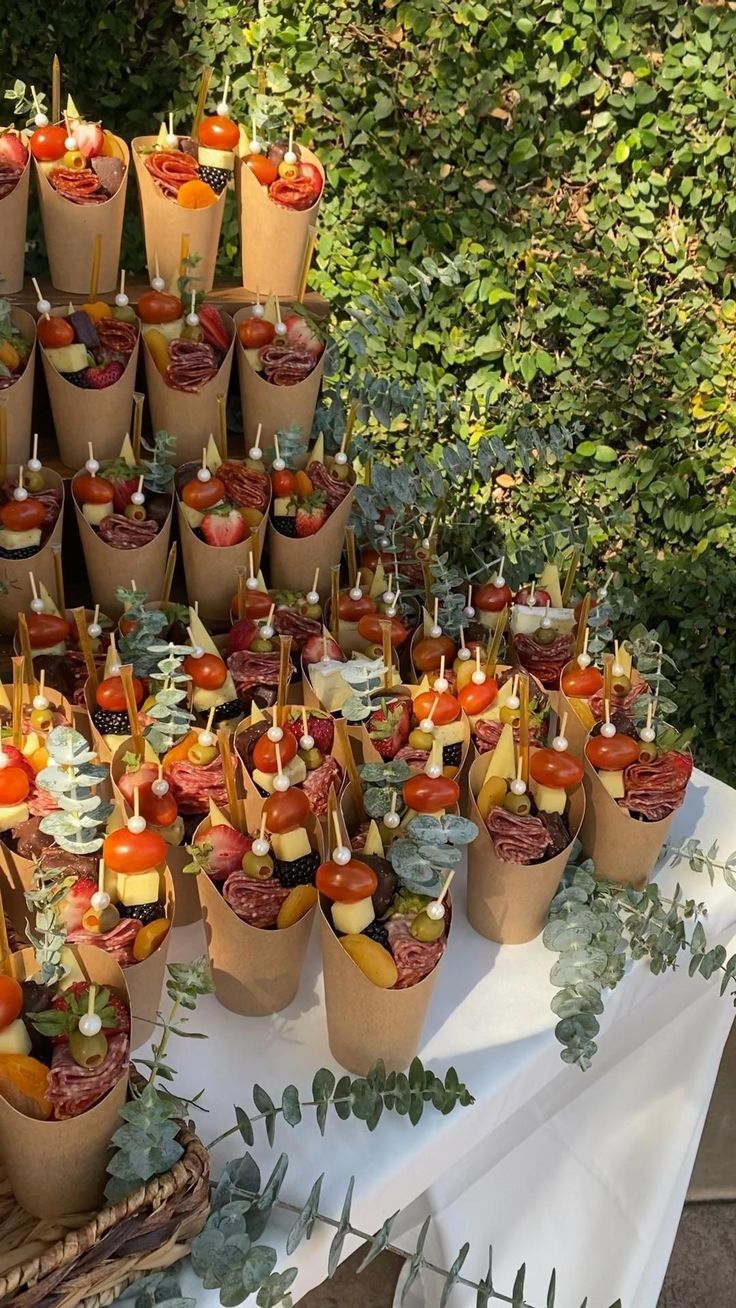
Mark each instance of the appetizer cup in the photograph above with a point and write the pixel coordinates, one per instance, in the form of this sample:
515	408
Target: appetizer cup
15	586
267	408
59	1168
13	219
190	416
17	400
166	225
71	230
273	239
293	561
107	566
211	571
371	754
245	735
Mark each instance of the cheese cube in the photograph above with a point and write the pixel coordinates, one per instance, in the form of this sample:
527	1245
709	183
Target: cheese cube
291	845
14	1039
192	516
203	700
139	887
613	782
548	799
94	513
11	815
20	540
452	733
283	507
296	771
351	919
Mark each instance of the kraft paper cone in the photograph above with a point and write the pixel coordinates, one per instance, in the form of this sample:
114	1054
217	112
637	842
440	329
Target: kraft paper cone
104	417
15	587
371	754
211	571
70	230
292	561
145	980
255	972
58	1168
509	902
275	407
13	219
365	1023
108	568
17	400
254	799
623	849
165	222
273	239
190	416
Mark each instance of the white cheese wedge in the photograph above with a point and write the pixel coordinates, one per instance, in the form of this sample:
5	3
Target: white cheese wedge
453	733
526	618
11	815
139	887
190	515
291	845
94	513
613	782
126	453
548	799
502	762
373	843
318	451
14	1039
351	919
48	603
20	540
330	688
296	771
72	971
171	330
550	581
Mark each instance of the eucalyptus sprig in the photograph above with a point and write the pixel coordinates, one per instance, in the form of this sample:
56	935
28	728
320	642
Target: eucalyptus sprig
73	777
381	782
420	857
170	719
45	929
147	626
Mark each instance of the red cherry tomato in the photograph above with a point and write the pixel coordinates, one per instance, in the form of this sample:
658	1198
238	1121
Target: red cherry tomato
11	1000
286	810
202	495
264	751
369	558
111	696
125	851
141	780
22	515
346	882
427	653
283	482
444	705
491	598
580	683
524	596
14	785
262	168
218	133
48	143
257	604
612	753
92	490
475	699
370	628
159	810
54	332
157	306
255	332
562	770
430	794
208	672
45	629
352	610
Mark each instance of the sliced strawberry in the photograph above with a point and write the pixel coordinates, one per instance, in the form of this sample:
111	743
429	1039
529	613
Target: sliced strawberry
98	379
12	150
223	528
389	727
76	901
90	139
314	650
142	779
228	847
322	731
241	635
123	483
213	326
311	514
301	332
72	1003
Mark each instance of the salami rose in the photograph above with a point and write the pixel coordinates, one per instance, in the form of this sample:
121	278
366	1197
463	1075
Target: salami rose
126	534
193	364
654	790
256	902
170	169
118	943
317	784
518	839
545	662
77	186
243	486
72	1089
322	479
414	959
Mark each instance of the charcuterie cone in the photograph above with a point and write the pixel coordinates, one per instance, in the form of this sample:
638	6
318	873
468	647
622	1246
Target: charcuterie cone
15	586
108	568
509	902
189	416
292	562
17	400
273	239
623	849
211	571
267	408
13	220
104	415
165	223
59	1168
70	231
371	754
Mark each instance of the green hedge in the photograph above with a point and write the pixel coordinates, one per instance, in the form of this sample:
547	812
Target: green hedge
564	176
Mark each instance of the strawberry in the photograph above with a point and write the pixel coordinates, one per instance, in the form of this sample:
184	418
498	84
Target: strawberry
321	729
12	150
301	332
311	514
215	331
241	635
67	1008
314	649
223	527
76	901
142	779
226	850
123	483
389	727
99	378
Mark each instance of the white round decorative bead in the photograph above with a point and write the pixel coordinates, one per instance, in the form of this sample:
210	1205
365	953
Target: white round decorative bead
341	458
121	300
617	670
137	497
40	702
584	660
388	597
325	659
281	781
251	583
115	669
278	465
478	678
426	724
266	632
92	465
136	825
207	739
546	623
43	306
608	729
499	581
158	284
41	120
20	493
647	734
260	847
513	702
94	631
196	652
384	542
223	109
275	734
356	593
469	611
391	613
280	329
435	910
312	597
290	157
434	770
34	465
391	820
100	901
435	631
90	1024
204	474
560	743
306	742
517	786
192	320
342	855
255	452
441	684
255	148
464	653
37	605
258	310
160	788
70	143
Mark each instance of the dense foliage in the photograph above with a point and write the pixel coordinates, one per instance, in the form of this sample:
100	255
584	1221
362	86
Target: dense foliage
563	176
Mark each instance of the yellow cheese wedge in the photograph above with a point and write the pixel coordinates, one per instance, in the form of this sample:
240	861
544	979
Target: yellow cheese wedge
203	700
212	456
68	960
48	603
216	158
548	799
296	771
94	513
20	540
502	762
318	451
14	1039
291	845
583	711
171	330
201	635
373	843
11	815
216	816
550	581
378	585
491	795
624	658
257	715
192	516
613	782
351	919
126	452
452	733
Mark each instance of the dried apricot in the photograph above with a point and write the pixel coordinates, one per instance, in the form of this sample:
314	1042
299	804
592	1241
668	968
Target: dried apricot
23	1083
293	909
374	961
196	195
149	938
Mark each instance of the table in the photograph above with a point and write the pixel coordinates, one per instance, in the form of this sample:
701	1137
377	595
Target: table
584	1171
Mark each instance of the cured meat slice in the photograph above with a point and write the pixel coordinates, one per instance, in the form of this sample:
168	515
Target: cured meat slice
79	186
654	790
317	784
285	365
415	758
193	787
288	623
292	192
118	943
251	670
193	364
545	662
41	802
63	861
116	337
243	486
170	169
10	175
518	839
487	735
559	832
620	704
256	902
124	533
322	479
414	959
72	1089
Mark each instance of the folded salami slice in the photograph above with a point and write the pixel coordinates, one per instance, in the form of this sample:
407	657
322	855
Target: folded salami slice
118	943
414	959
322	479
193	787
251	670
193	364
78	186
116	337
488	734
292	192
654	790
256	902
243	486
317	784
621	705
10	175
288	623
285	365
518	839
126	534
73	1089
170	169
545	662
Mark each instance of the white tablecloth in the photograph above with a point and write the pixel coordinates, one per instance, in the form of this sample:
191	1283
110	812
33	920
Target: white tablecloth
586	1171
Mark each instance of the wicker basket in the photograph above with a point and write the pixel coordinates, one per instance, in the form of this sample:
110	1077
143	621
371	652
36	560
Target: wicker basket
90	1259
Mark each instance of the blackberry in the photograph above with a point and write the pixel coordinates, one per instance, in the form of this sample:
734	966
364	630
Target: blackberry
111	724
144	913
285	525
378	933
232	709
300	872
27	553
79	379
217	178
451	755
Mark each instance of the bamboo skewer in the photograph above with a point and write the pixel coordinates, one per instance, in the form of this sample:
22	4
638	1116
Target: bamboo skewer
126	675
85	644
169	575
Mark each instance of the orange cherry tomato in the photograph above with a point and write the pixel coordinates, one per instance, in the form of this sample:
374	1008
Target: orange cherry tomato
54	332
48	143
444	705
14	785
346	882
111	696
159	810
612	753
262	168
92	490
429	794
202	495
370	627
491	598
22	515
218	133
157	306
126	851
264	751
255	332
475	699
11	1000
580	683
562	770
352	610
208	672
45	629
286	810
427	653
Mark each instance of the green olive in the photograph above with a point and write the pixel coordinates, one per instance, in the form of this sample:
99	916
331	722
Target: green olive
33	481
42	719
260	869
261	646
648	751
124	313
88	1051
620	685
509	715
420	739
426	928
190	333
519	804
545	635
312	759
201	755
135	512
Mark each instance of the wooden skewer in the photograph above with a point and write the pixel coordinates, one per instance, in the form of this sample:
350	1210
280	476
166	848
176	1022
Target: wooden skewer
352	555
524	728
3	443
563	724
309	249
126	675
58	579
169	575
25	646
85	644
228	771
17	719
582	627
183	254
139	400
222	425
241	593
607	677
6	962
284	652
572	572
94	279
335	601
55	89
388	657
204	90
446	886
495	645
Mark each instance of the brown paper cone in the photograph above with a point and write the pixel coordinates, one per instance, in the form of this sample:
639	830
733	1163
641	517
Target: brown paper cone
509	902
165	222
292	561
70	230
13	219
365	1023
253	797
15	587
108	568
145	980
275	407
255	972
371	754
623	849
210	571
17	400
190	416
104	754
104	417
273	239
58	1168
